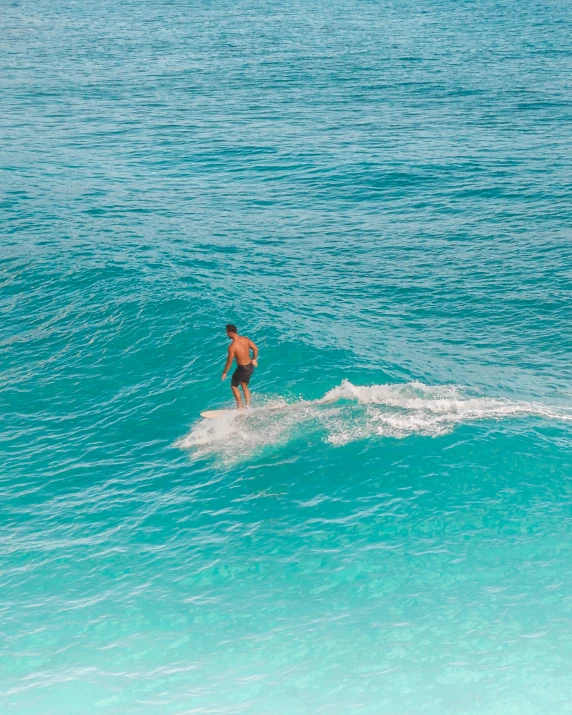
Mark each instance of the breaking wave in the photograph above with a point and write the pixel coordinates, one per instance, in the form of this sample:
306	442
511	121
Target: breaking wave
350	413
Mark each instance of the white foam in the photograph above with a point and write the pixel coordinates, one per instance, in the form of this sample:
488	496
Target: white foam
352	412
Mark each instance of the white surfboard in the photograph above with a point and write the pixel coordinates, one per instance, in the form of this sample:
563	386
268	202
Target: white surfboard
213	414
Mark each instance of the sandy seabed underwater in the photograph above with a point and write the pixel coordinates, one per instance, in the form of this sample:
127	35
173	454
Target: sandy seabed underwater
377	193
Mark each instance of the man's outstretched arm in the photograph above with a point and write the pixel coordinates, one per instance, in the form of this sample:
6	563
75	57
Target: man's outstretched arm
228	361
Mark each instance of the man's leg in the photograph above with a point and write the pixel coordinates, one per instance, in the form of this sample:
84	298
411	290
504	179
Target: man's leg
236	393
246	393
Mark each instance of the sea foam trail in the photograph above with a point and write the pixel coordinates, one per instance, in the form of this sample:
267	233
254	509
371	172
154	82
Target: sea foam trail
349	413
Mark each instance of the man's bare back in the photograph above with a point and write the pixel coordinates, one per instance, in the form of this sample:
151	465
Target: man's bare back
239	350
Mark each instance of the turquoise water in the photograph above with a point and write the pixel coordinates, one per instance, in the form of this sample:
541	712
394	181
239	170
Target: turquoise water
377	193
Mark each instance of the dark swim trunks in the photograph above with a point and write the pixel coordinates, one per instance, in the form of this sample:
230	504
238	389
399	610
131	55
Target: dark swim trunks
243	373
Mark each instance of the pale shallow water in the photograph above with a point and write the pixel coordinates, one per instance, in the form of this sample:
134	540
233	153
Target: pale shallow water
378	193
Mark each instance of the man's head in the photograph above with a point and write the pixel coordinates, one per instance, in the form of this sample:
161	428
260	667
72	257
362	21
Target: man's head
231	330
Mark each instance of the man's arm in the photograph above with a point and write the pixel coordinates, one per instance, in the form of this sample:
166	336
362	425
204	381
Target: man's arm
254	349
228	361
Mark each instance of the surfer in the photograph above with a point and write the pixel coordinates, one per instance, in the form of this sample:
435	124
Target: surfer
239	350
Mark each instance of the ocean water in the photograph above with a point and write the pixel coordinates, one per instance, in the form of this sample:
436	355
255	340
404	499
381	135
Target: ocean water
379	194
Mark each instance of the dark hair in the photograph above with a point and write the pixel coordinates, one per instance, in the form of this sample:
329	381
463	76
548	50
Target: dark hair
230	328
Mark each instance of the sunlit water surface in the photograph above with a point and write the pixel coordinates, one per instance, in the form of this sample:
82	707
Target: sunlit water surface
378	193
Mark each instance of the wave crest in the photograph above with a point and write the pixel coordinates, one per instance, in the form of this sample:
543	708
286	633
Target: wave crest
348	413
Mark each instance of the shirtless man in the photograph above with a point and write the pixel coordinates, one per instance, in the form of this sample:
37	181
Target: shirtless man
240	349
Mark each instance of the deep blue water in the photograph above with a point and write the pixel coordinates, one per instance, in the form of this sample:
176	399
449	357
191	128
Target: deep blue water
379	194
